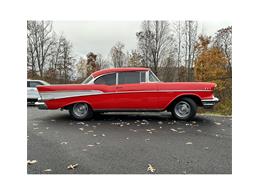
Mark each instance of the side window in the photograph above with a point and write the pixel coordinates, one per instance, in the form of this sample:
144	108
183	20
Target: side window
128	77
142	77
109	79
28	83
35	83
152	77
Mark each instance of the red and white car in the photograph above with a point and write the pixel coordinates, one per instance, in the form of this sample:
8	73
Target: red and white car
127	89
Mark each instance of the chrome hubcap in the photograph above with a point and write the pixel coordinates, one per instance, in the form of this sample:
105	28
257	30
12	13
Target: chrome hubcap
182	109
80	109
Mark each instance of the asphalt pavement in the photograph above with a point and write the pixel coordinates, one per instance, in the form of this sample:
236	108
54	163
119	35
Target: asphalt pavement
127	143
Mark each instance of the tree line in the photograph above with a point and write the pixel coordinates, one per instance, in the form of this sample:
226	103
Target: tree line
49	56
170	49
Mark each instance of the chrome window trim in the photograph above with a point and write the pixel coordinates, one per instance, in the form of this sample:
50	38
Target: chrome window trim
145	80
117	73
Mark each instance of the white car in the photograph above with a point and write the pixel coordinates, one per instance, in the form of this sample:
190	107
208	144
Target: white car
32	92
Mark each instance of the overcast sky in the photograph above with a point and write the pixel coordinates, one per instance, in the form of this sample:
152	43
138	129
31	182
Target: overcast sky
100	36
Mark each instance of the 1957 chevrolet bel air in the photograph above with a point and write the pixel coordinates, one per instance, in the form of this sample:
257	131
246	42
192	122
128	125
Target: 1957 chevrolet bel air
127	89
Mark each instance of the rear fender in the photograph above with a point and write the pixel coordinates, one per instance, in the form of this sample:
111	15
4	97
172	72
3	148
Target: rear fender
66	106
185	95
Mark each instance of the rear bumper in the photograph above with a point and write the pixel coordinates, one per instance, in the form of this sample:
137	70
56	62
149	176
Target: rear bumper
41	105
209	103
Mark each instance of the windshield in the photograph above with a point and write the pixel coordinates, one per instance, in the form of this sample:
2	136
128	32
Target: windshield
87	80
153	77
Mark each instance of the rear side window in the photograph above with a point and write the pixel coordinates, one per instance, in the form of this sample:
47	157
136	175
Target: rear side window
128	77
109	79
142	77
28	83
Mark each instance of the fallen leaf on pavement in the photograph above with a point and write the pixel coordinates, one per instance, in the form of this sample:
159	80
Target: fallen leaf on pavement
63	143
199	130
206	148
47	170
53	120
181	132
189	143
103	135
80	123
217	123
147	139
73	166
151	168
30	162
174	130
98	143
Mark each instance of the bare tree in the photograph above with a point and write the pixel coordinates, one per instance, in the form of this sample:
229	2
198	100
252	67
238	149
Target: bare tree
190	31
223	40
101	62
154	42
66	59
40	37
117	54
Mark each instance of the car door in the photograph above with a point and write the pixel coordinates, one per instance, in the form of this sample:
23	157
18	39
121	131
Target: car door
134	93
107	84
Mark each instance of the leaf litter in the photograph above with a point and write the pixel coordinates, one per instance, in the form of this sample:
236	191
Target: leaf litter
150	168
72	166
30	162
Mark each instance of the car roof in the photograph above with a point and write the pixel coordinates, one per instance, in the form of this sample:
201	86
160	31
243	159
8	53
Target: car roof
112	70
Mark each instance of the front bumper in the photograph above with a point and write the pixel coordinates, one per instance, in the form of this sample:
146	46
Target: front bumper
41	105
209	103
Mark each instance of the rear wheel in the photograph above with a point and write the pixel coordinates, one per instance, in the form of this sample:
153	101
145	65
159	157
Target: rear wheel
184	109
81	111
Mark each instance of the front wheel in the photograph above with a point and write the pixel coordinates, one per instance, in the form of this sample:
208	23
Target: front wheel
81	111
184	109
